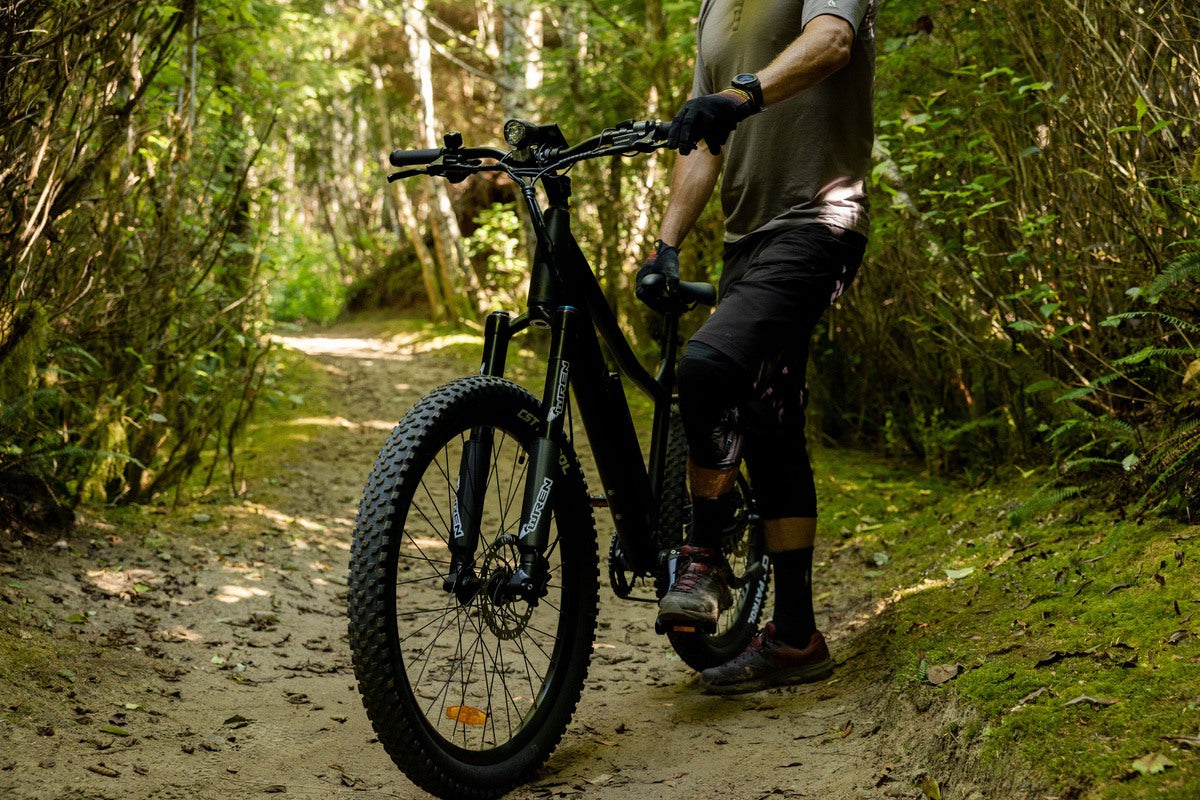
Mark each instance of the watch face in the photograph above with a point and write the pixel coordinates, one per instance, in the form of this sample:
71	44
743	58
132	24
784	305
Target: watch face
745	78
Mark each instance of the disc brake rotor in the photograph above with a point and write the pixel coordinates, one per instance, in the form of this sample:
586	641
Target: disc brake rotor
505	616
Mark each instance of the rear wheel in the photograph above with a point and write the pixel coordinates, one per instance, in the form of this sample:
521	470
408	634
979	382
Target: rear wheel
468	691
744	548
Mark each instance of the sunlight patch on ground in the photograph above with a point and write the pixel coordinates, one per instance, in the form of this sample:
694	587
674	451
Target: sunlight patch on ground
180	634
282	521
340	422
324	422
123	584
235	594
344	347
863	617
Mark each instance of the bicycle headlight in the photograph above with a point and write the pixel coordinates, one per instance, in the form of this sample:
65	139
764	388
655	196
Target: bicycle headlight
516	132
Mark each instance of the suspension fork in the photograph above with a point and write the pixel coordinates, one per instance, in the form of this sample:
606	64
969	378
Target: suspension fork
474	466
529	580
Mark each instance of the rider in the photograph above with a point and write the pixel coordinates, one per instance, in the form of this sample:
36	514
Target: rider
795	78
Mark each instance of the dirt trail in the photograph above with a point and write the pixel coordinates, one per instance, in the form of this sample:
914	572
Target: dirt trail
208	658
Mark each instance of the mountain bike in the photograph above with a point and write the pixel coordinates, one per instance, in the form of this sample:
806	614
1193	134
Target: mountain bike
474	575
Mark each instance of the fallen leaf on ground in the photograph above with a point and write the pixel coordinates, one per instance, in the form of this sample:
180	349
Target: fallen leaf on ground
1185	741
1177	637
929	786
101	769
1032	697
958	574
1152	764
941	673
1096	702
1056	657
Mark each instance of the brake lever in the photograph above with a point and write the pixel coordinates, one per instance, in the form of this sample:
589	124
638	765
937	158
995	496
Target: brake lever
407	173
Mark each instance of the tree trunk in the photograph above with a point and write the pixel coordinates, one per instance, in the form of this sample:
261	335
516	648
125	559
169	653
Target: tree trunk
405	216
459	285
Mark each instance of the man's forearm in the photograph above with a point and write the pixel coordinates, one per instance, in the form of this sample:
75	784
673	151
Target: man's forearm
821	50
692	184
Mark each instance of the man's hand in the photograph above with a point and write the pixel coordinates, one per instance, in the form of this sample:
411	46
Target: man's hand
711	118
663	261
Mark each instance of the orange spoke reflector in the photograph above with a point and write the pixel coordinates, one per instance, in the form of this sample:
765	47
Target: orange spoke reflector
467	715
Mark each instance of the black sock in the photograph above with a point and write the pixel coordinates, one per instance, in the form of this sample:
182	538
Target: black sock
710	517
794	621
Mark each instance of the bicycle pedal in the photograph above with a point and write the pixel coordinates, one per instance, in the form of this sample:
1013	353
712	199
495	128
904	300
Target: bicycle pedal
661	627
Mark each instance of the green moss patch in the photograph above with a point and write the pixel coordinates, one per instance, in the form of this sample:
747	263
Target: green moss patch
1076	632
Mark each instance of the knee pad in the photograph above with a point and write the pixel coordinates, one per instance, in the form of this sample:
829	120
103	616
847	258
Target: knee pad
711	388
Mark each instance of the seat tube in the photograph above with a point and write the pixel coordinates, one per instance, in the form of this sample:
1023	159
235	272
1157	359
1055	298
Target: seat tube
544	458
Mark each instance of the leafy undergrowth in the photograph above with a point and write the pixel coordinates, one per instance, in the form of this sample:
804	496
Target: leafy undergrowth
1073	635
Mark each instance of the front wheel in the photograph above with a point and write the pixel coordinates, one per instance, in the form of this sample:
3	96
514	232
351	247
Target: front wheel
468	691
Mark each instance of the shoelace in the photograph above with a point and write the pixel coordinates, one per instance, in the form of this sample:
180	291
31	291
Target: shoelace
690	576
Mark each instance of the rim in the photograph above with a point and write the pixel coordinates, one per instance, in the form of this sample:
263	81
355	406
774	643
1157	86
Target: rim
479	672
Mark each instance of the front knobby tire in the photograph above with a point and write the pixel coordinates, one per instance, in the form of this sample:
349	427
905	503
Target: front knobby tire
744	547
468	698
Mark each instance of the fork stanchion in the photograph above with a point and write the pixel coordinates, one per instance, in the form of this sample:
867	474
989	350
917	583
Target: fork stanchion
529	581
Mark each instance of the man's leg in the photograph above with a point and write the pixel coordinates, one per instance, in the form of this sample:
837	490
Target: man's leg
790	542
789	649
711	387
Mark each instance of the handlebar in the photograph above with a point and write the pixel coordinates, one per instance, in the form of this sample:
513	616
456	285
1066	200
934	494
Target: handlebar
414	158
457	163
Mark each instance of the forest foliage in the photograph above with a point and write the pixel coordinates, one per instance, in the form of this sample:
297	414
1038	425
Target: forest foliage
177	177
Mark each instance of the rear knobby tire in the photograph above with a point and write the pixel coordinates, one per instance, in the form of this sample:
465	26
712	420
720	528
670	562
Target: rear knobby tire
431	727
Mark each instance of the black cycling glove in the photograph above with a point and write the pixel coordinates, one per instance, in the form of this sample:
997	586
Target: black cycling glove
711	118
663	261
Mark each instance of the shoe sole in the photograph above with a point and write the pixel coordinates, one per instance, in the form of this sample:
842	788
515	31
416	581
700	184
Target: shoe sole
674	617
806	674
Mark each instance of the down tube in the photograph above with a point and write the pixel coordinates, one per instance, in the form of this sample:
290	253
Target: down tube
605	412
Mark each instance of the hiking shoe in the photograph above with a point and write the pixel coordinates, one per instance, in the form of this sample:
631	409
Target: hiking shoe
769	662
700	592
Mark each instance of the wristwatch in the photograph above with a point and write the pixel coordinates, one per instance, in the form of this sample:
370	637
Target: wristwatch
748	83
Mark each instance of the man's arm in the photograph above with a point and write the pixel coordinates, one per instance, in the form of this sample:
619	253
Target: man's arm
692	184
822	48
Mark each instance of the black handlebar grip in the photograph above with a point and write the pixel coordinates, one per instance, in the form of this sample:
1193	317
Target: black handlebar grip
414	158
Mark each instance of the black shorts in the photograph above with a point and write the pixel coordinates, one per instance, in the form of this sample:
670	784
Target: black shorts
773	290
775	286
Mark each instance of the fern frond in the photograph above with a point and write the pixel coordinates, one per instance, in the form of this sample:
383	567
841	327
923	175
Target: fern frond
1041	502
1187	459
1176	321
1186	267
1086	463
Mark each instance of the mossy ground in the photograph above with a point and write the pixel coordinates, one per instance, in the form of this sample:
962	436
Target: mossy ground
1076	603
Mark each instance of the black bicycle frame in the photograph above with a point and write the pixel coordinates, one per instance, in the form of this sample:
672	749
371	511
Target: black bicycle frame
562	285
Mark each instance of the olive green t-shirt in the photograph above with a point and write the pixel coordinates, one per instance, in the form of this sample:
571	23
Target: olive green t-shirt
804	160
